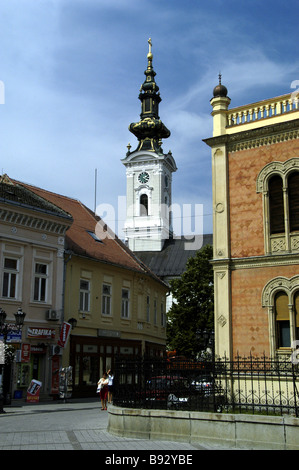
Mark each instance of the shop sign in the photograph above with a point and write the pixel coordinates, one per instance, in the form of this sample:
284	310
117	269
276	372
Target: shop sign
25	353
37	349
14	334
40	333
64	334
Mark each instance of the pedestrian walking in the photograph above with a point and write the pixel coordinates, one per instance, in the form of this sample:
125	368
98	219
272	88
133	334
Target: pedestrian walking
103	390
110	385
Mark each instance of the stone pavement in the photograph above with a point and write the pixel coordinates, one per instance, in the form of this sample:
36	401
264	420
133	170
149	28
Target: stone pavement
75	425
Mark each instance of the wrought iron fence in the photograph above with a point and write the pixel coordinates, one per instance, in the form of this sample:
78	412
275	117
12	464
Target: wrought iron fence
252	385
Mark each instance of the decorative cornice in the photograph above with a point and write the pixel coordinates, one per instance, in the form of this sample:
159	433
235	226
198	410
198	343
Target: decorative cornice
285	259
254	138
28	221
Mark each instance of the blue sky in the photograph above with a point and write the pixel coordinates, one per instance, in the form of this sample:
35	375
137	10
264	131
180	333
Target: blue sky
72	70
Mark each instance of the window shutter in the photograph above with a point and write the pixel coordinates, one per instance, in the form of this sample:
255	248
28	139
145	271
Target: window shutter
281	306
297	310
293	191
276	205
282	320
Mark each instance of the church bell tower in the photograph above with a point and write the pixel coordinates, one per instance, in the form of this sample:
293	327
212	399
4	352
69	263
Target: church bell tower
149	173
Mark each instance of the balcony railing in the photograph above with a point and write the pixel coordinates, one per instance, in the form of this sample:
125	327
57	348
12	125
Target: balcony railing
263	110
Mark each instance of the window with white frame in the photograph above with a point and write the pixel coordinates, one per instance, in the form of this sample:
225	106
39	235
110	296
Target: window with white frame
106	299
10	277
84	295
40	282
125	303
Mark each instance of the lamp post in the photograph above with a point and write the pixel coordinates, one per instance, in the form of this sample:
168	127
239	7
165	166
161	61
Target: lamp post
72	322
5	330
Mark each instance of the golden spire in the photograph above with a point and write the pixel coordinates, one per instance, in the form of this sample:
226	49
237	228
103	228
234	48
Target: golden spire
149	55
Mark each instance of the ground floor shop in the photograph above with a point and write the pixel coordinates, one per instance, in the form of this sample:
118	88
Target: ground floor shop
90	357
33	356
37	357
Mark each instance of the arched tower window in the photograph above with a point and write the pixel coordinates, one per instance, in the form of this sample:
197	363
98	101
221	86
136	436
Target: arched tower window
143	205
276	205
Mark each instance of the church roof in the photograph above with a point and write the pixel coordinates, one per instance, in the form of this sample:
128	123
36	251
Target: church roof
172	259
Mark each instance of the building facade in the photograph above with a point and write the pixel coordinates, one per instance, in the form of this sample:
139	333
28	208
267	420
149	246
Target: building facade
255	171
32	236
117	302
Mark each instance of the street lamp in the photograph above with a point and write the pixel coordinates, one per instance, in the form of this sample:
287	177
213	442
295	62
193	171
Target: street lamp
73	322
20	318
2	316
4	330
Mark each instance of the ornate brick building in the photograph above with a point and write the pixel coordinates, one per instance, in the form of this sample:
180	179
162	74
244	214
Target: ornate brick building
255	167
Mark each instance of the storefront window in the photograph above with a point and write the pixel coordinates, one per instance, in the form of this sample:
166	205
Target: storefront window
90	370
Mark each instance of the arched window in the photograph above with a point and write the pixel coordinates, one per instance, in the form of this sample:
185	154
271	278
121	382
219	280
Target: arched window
279	184
293	192
143	205
282	320
296	305
276	205
283	312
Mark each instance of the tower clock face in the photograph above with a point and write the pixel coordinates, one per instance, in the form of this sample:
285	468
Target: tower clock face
143	177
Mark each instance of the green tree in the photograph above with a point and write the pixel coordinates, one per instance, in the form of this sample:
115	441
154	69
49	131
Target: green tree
193	307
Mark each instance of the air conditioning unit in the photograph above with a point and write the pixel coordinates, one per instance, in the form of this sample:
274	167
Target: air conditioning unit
52	315
55	350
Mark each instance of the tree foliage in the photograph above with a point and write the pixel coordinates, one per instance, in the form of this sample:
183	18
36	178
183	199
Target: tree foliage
193	307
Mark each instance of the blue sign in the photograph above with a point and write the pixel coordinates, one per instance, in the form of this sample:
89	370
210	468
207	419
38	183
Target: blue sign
13	336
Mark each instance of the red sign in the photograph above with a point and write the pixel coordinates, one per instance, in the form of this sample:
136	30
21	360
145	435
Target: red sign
33	391
25	353
64	334
40	333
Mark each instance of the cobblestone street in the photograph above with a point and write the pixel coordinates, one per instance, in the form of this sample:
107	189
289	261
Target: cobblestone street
76	425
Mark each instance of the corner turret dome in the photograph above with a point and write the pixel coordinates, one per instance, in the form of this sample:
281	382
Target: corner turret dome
220	90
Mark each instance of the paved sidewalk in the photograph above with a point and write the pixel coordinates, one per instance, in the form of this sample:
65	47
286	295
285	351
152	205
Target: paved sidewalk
75	425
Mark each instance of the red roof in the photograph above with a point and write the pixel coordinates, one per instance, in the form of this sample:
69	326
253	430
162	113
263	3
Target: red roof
109	249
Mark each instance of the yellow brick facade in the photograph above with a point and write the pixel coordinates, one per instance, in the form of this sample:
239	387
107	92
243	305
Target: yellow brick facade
250	264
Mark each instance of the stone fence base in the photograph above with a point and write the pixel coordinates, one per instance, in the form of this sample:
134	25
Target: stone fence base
218	429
